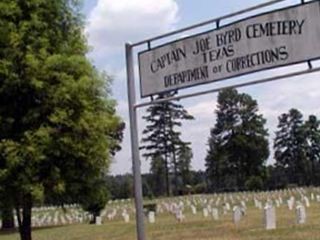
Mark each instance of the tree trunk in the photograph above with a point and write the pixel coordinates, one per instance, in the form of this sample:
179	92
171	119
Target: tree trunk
174	160
25	221
94	219
167	176
167	151
176	187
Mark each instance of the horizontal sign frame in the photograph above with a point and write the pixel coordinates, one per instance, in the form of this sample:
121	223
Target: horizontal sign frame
180	53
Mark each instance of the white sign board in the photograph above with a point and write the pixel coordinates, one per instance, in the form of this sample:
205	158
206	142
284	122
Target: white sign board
274	39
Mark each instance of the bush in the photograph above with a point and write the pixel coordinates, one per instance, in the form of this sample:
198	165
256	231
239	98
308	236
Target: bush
151	207
254	183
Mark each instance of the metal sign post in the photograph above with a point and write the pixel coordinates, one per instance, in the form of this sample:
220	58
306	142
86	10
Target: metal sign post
135	144
304	19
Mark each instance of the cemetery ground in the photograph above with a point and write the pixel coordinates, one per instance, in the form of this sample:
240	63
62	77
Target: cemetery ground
196	223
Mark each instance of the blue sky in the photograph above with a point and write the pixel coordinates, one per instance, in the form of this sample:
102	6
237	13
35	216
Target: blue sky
110	23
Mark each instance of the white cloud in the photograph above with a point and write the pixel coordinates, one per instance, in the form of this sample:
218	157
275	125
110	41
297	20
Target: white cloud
204	108
112	23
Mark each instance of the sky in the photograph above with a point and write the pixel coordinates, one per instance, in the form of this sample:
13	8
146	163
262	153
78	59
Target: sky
112	23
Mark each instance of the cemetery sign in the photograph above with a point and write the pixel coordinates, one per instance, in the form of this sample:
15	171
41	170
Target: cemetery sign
279	38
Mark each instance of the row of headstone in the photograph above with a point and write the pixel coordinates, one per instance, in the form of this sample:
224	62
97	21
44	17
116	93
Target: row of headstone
210	206
57	218
270	216
239	212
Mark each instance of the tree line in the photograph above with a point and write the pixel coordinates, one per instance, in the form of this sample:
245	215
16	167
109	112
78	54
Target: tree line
238	149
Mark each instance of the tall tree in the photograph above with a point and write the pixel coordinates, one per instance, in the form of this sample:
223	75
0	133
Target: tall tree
238	145
162	140
312	137
58	128
290	148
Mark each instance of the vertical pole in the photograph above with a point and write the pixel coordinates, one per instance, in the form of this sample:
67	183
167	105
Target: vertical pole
134	144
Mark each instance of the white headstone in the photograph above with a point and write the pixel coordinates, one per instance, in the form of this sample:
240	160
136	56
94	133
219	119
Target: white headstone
290	203
269	217
237	214
215	214
243	204
227	206
98	220
307	202
126	218
179	216
257	203
301	214
151	217
205	212
312	197
193	209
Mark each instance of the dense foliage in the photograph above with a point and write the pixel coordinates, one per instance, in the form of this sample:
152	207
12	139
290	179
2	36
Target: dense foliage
297	149
238	144
58	128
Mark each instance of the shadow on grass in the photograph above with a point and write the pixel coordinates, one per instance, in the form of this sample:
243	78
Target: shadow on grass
8	232
34	229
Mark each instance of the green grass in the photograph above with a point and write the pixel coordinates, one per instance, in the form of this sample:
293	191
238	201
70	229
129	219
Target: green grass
195	227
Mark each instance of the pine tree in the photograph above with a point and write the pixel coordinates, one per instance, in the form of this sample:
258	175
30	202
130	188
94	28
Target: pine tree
238	145
162	139
312	137
290	148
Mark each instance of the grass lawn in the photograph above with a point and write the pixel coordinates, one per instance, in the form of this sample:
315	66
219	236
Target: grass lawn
195	227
